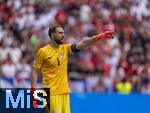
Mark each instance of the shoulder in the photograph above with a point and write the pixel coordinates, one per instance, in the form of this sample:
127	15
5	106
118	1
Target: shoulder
44	48
66	46
71	47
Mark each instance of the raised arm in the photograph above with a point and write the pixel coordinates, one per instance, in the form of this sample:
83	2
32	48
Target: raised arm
91	40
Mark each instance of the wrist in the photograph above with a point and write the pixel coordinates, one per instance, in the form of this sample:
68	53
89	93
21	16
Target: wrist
33	89
99	36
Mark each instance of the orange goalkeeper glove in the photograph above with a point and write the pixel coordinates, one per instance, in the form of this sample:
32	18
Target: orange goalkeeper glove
106	34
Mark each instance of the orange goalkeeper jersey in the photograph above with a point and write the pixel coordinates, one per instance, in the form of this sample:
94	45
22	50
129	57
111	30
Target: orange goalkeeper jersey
52	62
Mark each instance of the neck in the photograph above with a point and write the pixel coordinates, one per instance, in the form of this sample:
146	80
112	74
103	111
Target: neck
54	44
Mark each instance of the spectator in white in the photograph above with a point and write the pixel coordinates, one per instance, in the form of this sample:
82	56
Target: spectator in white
8	37
8	68
23	73
23	69
100	86
139	9
85	13
146	86
3	51
113	60
15	52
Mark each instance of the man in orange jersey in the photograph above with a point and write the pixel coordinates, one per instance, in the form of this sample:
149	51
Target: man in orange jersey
51	61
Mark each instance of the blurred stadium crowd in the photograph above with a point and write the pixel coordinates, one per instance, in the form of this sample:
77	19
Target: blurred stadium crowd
119	65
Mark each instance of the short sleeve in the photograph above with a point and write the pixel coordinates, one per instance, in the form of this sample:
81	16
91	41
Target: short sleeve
68	47
71	48
38	61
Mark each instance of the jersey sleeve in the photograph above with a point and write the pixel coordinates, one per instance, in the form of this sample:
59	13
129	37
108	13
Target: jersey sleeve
38	61
71	48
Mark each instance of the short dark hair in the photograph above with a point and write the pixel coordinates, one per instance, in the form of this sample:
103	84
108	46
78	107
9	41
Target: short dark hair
52	29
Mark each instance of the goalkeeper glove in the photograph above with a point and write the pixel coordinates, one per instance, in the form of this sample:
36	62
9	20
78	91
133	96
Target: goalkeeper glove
106	34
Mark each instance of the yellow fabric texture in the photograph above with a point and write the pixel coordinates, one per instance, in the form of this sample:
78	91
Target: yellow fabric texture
52	62
60	103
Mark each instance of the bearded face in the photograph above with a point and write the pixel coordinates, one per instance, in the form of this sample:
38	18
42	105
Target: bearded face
58	36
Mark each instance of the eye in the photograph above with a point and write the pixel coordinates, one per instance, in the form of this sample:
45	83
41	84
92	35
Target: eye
61	33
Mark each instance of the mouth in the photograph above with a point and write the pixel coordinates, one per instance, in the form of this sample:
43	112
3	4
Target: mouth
62	39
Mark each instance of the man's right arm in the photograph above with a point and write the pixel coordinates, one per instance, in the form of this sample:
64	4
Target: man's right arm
37	64
34	76
35	73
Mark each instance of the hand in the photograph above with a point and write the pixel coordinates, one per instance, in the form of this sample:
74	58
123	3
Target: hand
106	34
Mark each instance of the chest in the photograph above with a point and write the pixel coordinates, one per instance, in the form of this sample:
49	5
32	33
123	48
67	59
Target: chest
55	58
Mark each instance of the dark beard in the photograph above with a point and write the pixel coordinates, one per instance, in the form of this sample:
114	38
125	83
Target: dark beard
58	42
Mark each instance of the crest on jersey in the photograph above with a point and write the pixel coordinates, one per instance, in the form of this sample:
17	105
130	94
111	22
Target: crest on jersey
61	55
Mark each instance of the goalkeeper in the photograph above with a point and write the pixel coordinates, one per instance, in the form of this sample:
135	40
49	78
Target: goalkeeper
51	61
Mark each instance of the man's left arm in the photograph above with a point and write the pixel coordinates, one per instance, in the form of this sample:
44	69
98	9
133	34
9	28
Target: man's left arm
91	40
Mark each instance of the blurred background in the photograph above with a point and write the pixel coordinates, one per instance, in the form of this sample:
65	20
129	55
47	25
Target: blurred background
108	68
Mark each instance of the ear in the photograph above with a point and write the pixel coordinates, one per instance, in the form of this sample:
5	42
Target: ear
52	35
